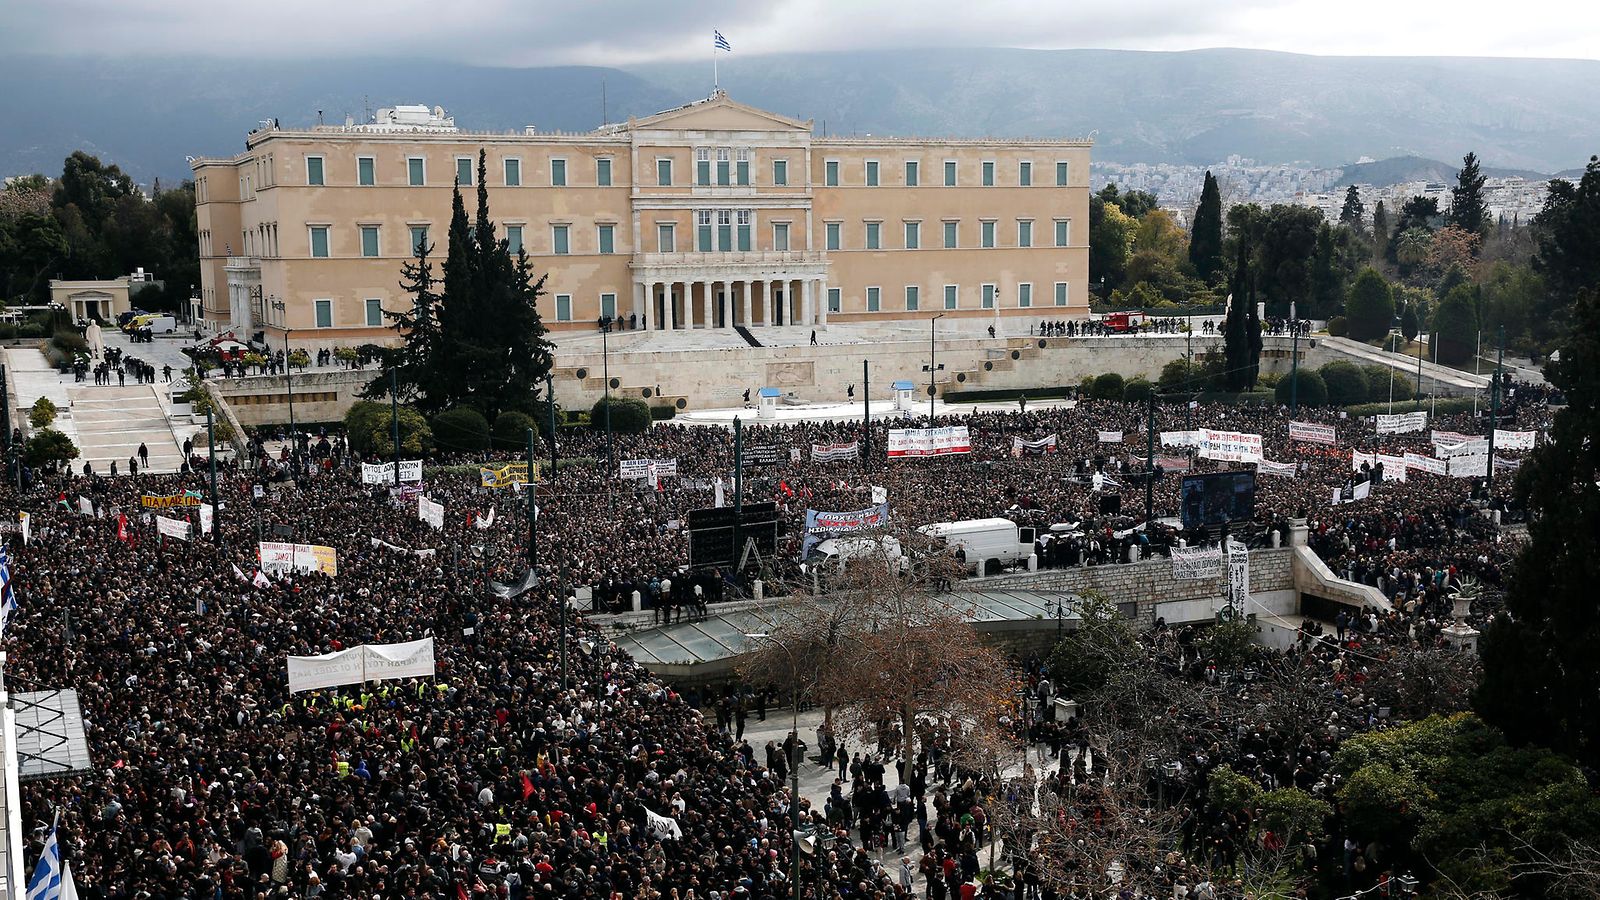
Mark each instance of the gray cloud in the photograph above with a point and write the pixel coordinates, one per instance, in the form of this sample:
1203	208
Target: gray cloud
620	32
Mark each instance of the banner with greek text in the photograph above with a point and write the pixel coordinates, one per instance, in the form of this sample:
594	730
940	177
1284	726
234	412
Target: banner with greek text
357	665
1230	446
173	501
173	528
505	475
1514	440
1313	433
1402	423
1394	467
1452	437
1180	438
946	441
640	468
1238	576
1469	466
820	525
1472	447
430	512
834	452
1501	464
207	516
1109	437
1042	445
1359	459
1426	464
1193	563
759	455
1268	467
383	473
278	558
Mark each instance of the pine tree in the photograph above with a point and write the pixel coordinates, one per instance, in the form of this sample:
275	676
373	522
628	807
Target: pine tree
1467	208
1380	229
1354	213
1205	240
418	328
1253	343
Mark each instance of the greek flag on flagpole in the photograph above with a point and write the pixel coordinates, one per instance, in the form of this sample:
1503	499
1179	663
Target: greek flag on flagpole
8	597
52	880
720	42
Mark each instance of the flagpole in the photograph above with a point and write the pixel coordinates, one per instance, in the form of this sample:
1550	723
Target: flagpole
716	83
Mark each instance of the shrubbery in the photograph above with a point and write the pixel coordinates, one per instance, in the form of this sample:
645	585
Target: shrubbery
628	415
511	430
369	427
1312	391
1345	382
462	429
1107	386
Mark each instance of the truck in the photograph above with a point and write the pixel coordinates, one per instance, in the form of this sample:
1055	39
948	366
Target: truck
1123	323
985	545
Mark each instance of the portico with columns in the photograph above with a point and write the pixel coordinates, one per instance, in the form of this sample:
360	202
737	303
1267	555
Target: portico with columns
755	289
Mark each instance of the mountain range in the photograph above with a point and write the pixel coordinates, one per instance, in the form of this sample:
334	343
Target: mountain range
1195	107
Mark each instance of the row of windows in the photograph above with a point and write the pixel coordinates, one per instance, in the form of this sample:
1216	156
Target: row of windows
466	171
716	231
726	168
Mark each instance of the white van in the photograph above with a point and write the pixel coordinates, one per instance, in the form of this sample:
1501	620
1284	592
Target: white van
985	541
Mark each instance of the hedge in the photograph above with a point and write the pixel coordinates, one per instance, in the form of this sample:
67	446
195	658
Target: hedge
995	395
1312	391
628	415
461	429
662	413
1108	386
1445	406
511	430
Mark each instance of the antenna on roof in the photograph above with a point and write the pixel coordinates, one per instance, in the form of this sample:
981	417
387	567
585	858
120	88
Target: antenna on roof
603	119
319	118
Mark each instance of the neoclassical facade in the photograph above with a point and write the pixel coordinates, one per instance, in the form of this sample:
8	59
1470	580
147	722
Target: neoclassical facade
711	215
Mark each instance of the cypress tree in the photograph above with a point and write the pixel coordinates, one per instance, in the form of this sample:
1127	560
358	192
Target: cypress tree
1354	213
1468	211
1205	239
418	328
1235	334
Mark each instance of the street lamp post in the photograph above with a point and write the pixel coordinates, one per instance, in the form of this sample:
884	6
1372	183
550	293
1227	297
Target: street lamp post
1294	359
932	369
605	364
794	764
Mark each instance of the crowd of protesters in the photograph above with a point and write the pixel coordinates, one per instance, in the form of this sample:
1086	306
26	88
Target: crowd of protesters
510	774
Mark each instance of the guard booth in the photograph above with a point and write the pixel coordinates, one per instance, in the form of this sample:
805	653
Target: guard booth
903	391
767	402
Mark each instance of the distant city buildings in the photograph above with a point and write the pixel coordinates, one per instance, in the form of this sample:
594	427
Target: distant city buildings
1177	187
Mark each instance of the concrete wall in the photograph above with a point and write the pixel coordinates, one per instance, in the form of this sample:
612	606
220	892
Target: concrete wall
320	395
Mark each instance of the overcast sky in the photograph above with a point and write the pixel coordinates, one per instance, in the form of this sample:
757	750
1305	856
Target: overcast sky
619	32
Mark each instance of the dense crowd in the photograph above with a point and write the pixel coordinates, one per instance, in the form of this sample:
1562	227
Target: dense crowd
510	773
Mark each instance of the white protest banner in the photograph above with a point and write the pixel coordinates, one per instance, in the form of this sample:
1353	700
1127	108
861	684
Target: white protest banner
1359	459
880	495
279	557
1394	467
1452	437
1268	467
1472	447
640	468
1230	446
1514	440
1180	438
412	659
398	549
25	523
1238	576
1402	423
794	454
173	528
1312	433
85	506
1426	464
1469	466
1191	563
832	452
310	673
1109	437
207	515
662	828
383	473
1501	464
947	441
1042	445
430	512
357	665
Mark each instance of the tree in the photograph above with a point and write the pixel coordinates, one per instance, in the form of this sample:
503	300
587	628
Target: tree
1235	327
461	429
1346	385
1283	256
1205	239
1408	323
1451	246
1369	307
1540	683
1110	243
511	430
1354	213
1468	211
490	350
1108	386
1567	231
629	415
1380	229
42	414
1137	390
370	427
1312	390
47	447
1455	326
1411	247
413	367
1134	203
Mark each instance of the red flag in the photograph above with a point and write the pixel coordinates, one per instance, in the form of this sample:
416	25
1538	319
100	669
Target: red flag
461	891
122	527
784	486
527	786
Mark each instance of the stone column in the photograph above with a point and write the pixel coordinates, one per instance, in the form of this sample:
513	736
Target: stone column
772	303
805	302
706	301
749	286
822	307
638	302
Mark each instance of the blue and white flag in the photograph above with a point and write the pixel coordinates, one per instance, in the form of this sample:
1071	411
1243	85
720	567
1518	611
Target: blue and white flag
8	596
52	879
719	42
